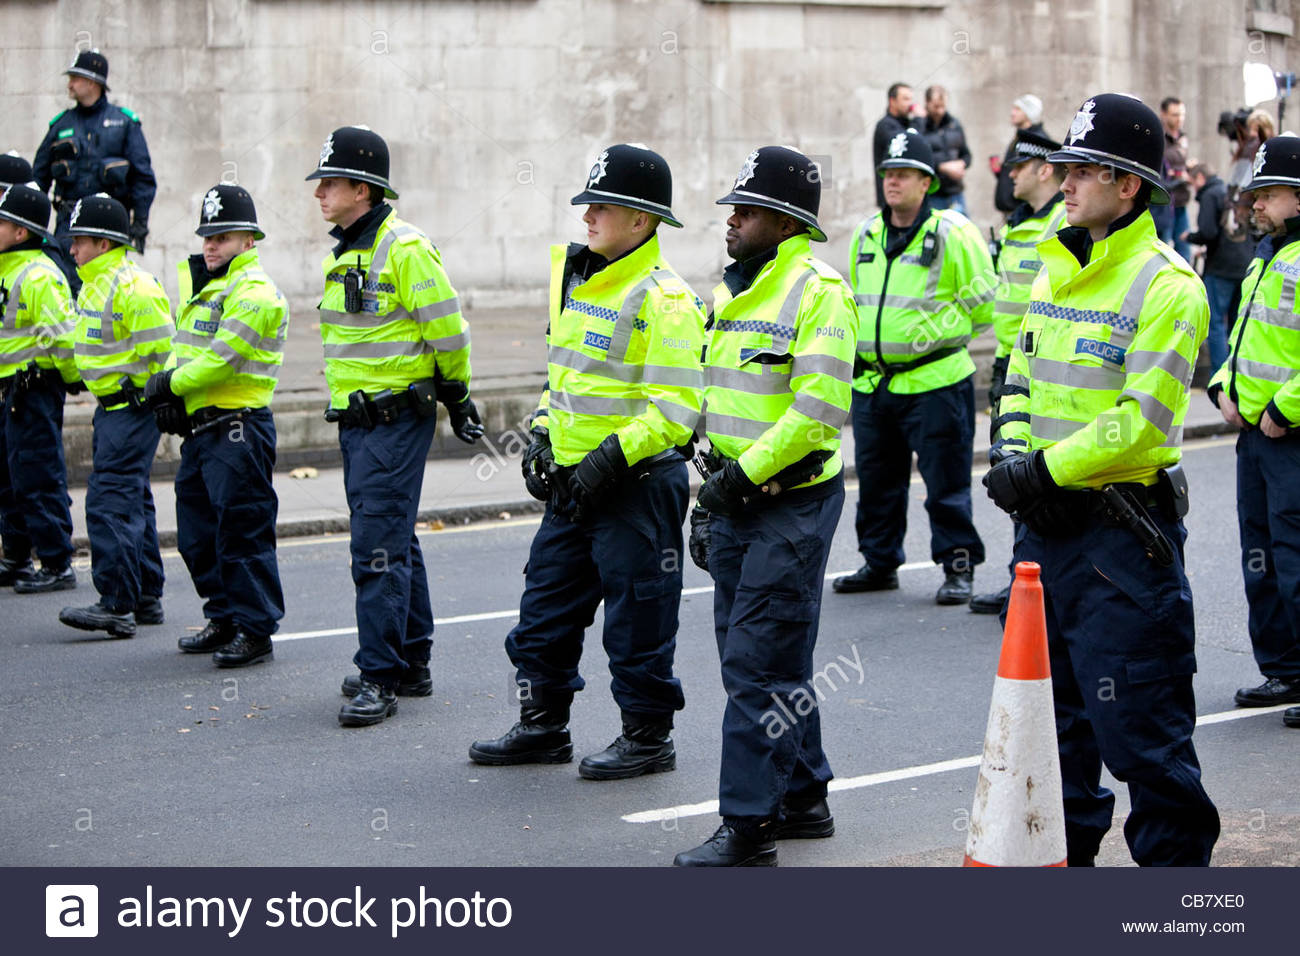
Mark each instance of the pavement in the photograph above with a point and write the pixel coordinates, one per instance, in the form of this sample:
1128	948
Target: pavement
487	484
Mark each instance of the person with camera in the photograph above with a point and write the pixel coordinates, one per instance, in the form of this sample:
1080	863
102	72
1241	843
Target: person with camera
96	146
124	334
396	344
624	390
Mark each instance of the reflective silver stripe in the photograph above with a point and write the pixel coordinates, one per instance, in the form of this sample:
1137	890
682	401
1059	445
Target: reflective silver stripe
139	367
1279	318
624	372
1175	438
819	410
22	356
190	338
15	296
936	266
596	405
437	310
241	364
1107	378
1007	307
1019	278
1137	363
449	343
675	413
1265	371
789	314
620	337
1021	243
246	333
362	320
368	350
735	427
1137	291
815	364
979	298
1016	379
1153	410
909	348
1286	301
893	301
749	383
1052	429
156	334
380	258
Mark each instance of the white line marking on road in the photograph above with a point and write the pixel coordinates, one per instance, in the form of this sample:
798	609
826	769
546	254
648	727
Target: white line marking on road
907	773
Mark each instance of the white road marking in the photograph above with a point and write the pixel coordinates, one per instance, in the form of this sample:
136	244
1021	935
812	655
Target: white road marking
908	773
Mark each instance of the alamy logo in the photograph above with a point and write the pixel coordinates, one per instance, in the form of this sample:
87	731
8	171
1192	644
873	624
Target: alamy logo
71	910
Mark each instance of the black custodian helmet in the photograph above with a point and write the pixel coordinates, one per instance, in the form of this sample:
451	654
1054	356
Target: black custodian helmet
355	152
909	150
1277	163
780	178
91	64
1113	129
14	169
100	216
28	207
228	208
631	175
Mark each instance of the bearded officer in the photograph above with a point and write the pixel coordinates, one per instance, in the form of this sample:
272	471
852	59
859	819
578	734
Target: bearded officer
778	370
37	370
924	284
623	391
1258	391
1096	395
395	345
216	392
124	334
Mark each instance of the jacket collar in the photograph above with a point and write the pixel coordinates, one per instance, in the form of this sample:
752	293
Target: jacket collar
1270	246
758	267
590	266
1023	213
1079	242
109	262
200	275
94	107
361	234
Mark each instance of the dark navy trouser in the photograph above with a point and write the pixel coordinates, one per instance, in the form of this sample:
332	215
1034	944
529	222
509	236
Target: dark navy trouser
35	510
768	565
1268	514
124	559
1121	638
628	553
225	519
383	469
939	426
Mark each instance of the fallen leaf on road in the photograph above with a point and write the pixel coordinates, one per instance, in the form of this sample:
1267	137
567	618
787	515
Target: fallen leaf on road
436	524
184	730
504	516
304	472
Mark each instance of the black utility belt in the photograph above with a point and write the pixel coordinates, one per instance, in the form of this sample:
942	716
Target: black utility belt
129	395
26	379
890	369
210	416
388	406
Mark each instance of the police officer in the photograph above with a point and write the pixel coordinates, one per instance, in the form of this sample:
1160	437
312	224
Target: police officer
96	147
1039	213
124	334
395	344
216	392
778	371
1258	391
14	169
1096	390
924	284
36	370
624	388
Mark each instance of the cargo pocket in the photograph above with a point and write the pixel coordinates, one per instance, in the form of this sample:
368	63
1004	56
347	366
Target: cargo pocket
387	530
652	589
1148	670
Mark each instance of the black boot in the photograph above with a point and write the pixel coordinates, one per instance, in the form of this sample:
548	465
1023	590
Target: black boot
991	603
47	579
372	704
245	649
416	682
13	571
734	844
644	747
804	820
99	618
956	588
540	736
866	578
1291	717
149	610
216	634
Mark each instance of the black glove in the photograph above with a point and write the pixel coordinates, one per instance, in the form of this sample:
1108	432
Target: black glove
465	423
997	380
538	463
727	491
158	389
597	475
1019	483
74	388
171	418
139	229
701	539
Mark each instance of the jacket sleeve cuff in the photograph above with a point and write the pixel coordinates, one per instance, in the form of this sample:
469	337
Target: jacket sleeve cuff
1212	393
1277	416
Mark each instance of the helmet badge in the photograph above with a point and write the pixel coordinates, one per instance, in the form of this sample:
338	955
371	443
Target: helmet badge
898	145
326	150
76	214
1259	161
599	169
211	205
748	170
1081	126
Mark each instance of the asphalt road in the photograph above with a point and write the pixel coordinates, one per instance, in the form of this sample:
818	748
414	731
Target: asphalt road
130	753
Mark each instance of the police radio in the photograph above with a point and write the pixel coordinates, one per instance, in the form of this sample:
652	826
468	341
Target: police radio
352	281
929	246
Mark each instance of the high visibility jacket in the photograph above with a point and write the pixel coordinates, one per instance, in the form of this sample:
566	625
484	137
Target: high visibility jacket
1017	265
623	357
936	294
1263	366
1102	363
409	327
124	324
230	334
37	317
779	366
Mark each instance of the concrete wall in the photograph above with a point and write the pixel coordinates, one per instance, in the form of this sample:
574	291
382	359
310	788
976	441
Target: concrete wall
494	109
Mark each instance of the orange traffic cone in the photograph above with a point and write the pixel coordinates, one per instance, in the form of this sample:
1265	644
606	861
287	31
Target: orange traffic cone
1019	814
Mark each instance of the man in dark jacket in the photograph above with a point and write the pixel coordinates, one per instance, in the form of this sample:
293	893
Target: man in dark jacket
1226	260
947	141
891	124
1026	114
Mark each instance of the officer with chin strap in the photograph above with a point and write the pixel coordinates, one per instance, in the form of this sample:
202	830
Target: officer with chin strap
1091	420
124	334
216	393
13	170
396	344
37	369
95	147
624	387
778	370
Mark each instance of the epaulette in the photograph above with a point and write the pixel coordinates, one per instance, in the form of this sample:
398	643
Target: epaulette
130	113
58	117
824	270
